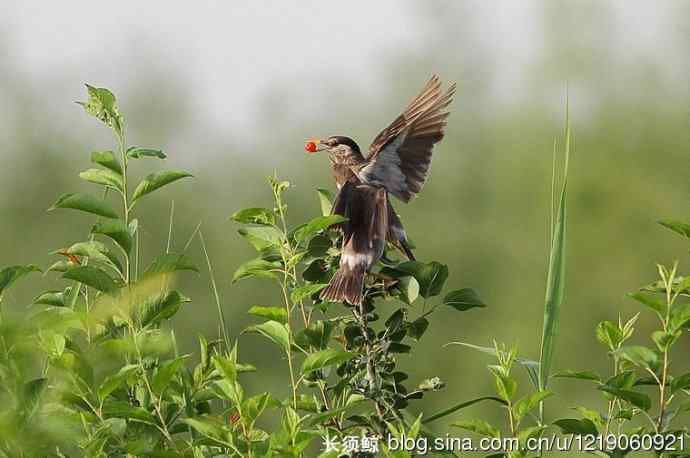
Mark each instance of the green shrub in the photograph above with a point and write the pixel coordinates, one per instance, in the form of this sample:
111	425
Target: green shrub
93	369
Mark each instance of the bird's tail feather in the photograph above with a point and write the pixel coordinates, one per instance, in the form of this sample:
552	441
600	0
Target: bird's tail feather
345	286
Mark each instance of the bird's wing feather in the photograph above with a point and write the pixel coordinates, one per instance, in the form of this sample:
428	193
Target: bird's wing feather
400	156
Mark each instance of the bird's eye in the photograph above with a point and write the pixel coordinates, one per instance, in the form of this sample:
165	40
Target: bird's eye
331	142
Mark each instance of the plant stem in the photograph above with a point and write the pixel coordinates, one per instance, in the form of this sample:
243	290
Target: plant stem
286	254
612	401
369	352
288	352
125	198
664	373
156	400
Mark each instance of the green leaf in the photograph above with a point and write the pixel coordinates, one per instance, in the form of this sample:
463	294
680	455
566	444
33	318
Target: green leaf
623	380
102	105
306	232
506	386
306	291
213	429
272	313
86	203
262	237
680	317
103	177
278	333
325	358
609	334
230	390
137	152
261	216
117	231
462	405
676	226
413	431
160	307
681	383
291	421
530	366
113	382
254	406
580	427
316	336
157	180
477	426
256	268
108	160
122	409
664	340
9	275
54	298
31	395
640	356
529	403
409	288
651	300
531	432
170	262
94	250
555	281
417	328
321	418
326	201
431	277
463	299
582	375
592	415
93	277
60	266
226	366
165	373
639	400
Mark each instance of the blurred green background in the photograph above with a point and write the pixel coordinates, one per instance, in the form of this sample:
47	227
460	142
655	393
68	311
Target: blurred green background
230	91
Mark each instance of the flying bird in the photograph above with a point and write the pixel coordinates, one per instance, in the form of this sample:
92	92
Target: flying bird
397	164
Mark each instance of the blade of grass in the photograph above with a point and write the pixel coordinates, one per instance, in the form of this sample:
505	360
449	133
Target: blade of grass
170	226
462	405
552	207
221	315
555	282
191	237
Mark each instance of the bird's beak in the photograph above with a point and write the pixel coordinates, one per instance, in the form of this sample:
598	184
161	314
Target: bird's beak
314	145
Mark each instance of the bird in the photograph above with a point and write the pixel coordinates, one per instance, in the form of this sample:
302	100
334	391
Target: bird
397	164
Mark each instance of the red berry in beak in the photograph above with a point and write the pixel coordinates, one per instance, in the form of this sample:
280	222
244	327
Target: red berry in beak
310	147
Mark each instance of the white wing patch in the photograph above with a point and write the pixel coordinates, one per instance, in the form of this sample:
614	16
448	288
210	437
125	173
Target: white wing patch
385	170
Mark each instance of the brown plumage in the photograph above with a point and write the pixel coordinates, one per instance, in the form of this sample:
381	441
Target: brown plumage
398	164
364	239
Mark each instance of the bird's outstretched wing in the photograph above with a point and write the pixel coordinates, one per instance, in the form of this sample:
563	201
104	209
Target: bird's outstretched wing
400	155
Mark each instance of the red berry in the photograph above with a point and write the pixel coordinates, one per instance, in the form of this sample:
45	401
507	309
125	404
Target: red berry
310	147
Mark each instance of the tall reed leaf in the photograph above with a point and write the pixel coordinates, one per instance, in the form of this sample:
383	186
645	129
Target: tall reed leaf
555	283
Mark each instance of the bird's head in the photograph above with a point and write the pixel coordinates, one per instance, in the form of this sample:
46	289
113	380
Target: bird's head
341	150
